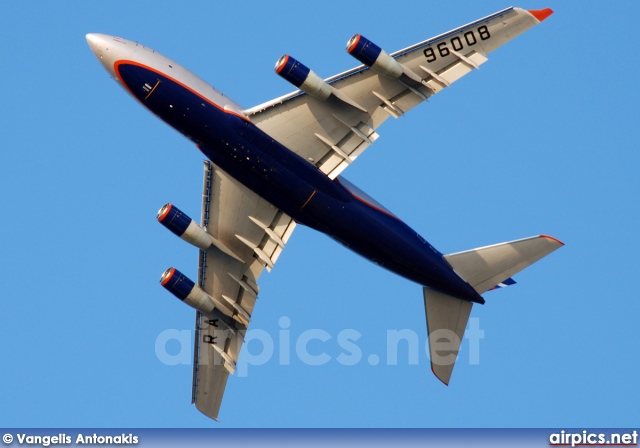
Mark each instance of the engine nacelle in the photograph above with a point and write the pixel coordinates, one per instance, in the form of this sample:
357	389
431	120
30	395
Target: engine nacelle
186	290
374	57
182	225
302	77
186	228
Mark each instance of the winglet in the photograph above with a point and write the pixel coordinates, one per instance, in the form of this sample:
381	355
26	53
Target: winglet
541	14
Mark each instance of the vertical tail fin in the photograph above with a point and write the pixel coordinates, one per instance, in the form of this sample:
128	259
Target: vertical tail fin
447	318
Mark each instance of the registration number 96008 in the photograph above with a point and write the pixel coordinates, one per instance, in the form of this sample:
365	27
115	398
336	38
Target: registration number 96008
457	43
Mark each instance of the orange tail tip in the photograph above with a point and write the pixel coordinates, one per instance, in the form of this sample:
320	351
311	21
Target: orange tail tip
434	372
541	14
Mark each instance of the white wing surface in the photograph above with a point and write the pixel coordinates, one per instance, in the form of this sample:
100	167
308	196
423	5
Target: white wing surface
329	133
332	133
253	231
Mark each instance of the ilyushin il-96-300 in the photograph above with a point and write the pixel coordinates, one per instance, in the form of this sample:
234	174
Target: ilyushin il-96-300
279	164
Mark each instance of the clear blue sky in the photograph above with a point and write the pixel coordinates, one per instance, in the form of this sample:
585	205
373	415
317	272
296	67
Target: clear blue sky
543	139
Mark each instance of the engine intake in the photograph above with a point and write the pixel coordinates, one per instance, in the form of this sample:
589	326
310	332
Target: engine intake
193	295
184	289
176	283
174	219
186	228
183	226
373	56
302	77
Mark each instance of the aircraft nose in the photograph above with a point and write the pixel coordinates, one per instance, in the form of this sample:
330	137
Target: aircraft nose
99	44
94	43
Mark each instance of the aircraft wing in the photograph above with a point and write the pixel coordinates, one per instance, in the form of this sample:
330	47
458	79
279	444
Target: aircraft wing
252	230
332	133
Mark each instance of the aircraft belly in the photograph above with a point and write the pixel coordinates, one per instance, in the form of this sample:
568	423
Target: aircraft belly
388	242
292	184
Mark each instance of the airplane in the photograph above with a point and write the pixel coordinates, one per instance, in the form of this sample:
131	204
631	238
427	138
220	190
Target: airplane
276	165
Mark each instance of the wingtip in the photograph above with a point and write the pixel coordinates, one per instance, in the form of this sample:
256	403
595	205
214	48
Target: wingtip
552	238
541	14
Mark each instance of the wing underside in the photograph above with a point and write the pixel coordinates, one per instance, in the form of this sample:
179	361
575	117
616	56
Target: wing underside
329	134
255	232
332	133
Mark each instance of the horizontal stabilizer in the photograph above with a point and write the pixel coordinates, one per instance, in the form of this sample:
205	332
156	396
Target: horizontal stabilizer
447	318
489	266
504	284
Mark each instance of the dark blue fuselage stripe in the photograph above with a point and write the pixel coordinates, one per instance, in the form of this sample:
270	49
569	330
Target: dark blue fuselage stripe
288	182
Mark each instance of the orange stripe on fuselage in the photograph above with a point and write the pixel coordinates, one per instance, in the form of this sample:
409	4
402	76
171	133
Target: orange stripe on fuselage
116	67
381	210
374	207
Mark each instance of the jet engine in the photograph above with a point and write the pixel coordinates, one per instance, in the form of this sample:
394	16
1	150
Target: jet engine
184	289
183	226
193	295
186	228
373	56
302	77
